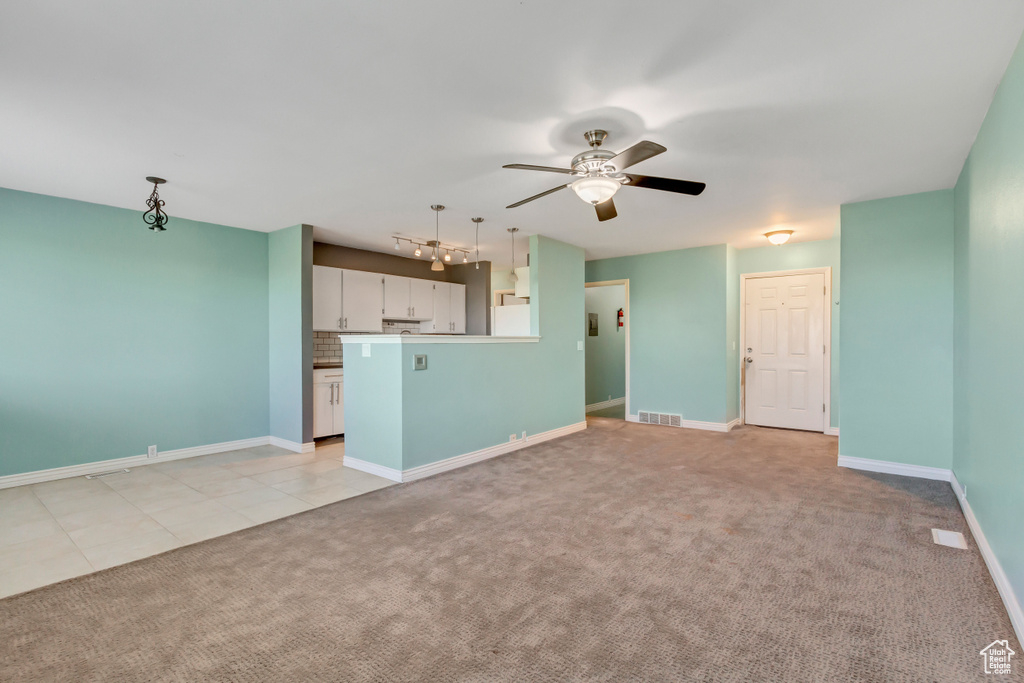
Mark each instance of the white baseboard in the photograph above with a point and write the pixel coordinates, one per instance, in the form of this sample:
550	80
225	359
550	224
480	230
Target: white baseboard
486	453
832	431
293	446
591	407
697	424
886	467
372	468
1003	585
131	461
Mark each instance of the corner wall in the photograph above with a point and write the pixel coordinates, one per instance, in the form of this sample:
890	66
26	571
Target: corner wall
897	332
115	337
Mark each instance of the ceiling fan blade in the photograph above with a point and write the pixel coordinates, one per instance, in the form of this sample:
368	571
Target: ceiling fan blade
644	149
666	184
531	167
537	196
606	210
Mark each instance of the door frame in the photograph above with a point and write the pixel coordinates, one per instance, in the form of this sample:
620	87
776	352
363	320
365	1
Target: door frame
826	335
625	310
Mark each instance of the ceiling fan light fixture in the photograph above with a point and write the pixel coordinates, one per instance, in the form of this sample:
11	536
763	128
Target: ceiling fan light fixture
779	237
595	189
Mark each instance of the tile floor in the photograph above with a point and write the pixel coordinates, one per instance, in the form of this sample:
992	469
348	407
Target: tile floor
65	528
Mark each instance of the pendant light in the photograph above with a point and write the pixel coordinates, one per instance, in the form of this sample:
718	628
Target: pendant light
513	276
478	221
436	265
155	218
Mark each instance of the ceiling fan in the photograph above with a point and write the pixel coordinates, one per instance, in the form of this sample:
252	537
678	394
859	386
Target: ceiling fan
599	174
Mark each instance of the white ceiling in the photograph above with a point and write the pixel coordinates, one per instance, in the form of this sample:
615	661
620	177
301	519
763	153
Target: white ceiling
356	116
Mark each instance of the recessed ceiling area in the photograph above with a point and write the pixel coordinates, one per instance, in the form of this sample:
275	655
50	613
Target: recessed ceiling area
356	117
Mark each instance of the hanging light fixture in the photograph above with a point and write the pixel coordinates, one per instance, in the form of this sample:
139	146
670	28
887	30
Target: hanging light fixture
478	221
418	252
436	265
397	245
512	275
779	237
447	257
155	218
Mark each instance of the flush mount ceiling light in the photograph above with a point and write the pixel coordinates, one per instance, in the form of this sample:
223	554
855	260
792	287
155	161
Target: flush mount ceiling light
778	237
478	221
436	265
155	218
513	276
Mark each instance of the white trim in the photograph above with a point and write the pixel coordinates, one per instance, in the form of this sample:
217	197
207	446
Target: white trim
1003	585
372	468
832	431
487	453
432	339
293	446
624	283
605	404
827	335
130	461
887	467
697	424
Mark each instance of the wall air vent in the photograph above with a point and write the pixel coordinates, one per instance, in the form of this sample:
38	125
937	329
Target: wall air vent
660	419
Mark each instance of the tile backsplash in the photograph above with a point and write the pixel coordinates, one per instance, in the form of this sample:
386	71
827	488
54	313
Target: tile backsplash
326	348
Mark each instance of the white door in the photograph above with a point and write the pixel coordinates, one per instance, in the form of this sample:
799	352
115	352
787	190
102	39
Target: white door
421	298
396	297
326	299
362	296
323	409
458	312
784	352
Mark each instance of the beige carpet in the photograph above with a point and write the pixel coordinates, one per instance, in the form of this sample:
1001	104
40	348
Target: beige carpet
622	553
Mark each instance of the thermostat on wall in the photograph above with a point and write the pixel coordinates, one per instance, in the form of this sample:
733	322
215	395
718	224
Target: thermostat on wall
419	361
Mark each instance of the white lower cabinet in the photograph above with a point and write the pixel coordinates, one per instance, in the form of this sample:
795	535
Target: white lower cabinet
328	403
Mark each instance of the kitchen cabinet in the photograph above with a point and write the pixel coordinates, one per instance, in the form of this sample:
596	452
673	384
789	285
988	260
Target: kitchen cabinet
523	283
362	301
327	299
407	298
449	310
328	403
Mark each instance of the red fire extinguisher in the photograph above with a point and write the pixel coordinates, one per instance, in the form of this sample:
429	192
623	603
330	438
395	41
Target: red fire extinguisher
621	316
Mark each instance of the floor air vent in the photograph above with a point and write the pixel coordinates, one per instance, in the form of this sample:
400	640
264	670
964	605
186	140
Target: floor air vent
660	419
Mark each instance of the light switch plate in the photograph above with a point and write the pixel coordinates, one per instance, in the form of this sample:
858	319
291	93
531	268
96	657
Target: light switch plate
579	346
419	361
366	350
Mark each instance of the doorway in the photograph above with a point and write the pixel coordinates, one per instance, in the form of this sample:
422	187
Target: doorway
606	340
785	332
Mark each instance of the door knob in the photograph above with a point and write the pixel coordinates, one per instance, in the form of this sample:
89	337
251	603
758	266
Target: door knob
749	359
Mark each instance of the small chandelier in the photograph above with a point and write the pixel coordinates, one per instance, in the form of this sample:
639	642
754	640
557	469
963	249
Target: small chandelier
155	218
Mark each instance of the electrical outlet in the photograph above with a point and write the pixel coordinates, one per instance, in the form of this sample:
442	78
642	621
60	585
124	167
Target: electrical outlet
151	453
513	437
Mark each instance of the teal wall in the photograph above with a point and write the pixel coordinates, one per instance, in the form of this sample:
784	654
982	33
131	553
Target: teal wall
988	455
290	329
793	256
115	337
678	327
606	353
897	332
473	396
732	335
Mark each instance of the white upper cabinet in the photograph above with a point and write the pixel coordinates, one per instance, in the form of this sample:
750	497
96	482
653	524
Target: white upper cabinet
458	309
407	298
421	298
362	301
523	283
327	299
397	303
449	310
